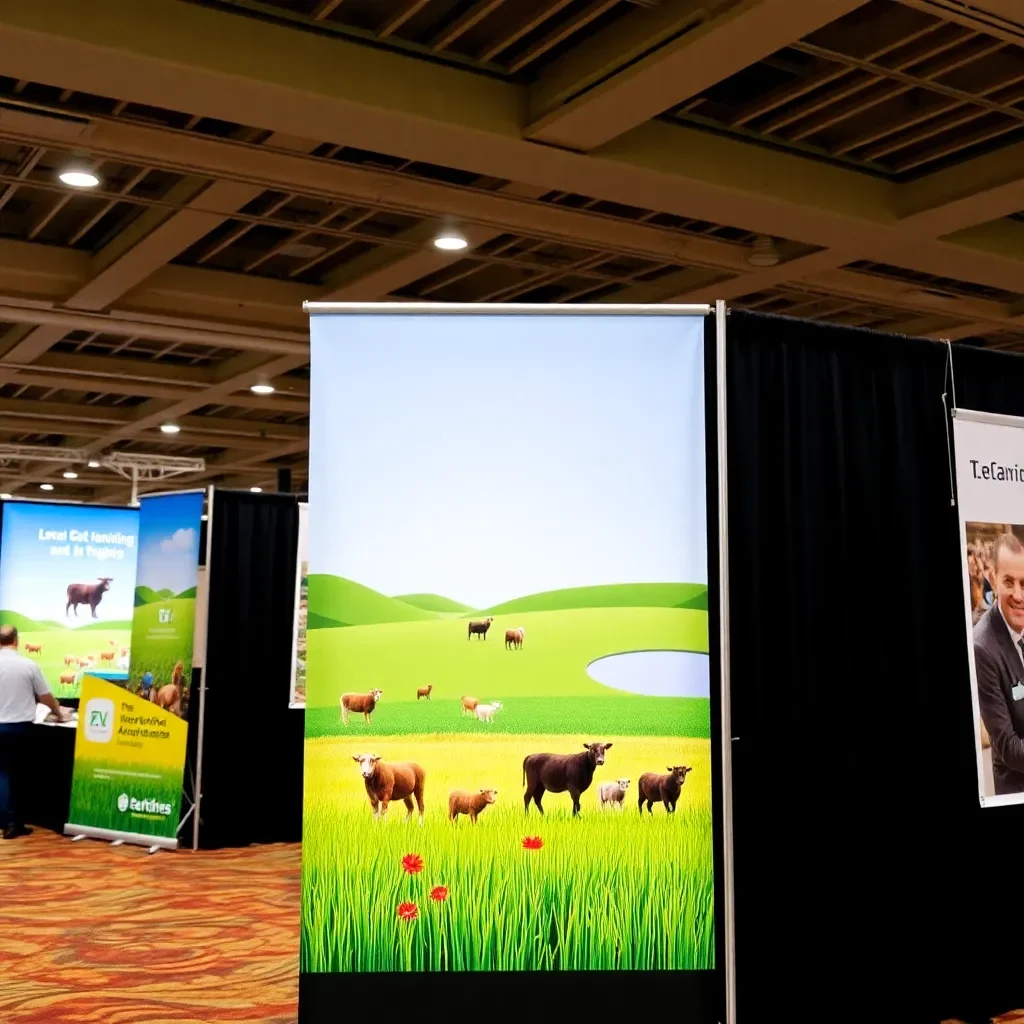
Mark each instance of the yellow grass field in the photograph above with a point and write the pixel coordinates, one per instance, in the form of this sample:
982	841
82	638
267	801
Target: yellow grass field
607	891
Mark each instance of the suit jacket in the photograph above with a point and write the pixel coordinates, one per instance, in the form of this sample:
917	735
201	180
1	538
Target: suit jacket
998	668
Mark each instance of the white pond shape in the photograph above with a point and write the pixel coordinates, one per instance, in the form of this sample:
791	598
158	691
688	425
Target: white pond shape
655	673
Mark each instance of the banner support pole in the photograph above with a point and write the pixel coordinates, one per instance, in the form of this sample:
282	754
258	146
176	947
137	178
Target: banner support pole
728	882
198	794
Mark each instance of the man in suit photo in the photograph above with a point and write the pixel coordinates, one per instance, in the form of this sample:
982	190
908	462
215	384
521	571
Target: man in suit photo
999	665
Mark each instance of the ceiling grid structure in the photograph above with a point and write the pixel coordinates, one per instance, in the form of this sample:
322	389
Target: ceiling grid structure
855	161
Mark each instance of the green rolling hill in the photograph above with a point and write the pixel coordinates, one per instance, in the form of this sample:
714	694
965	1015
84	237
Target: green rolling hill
123	624
22	623
614	595
334	601
185	594
433	603
146	595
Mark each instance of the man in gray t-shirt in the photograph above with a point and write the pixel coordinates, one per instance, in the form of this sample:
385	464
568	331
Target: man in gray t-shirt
22	686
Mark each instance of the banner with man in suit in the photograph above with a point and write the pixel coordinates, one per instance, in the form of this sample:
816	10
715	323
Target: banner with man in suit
990	496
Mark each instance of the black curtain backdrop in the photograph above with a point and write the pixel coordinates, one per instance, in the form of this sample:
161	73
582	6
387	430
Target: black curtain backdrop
252	750
868	878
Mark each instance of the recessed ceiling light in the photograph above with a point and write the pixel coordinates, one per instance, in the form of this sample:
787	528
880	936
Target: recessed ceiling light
46	487
262	389
5	497
94	464
256	490
170	428
70	474
450	242
79	177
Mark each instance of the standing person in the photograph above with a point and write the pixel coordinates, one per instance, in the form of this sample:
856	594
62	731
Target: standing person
999	665
22	686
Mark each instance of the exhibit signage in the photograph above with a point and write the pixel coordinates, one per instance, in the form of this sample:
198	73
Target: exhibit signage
990	499
508	608
67	578
130	744
298	688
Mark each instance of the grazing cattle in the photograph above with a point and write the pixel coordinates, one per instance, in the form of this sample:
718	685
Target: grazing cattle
168	697
124	652
67	677
33	648
486	712
70	659
473	804
87	593
561	772
107	655
479	627
424	691
665	788
387	782
514	638
84	662
611	794
360	703
469	704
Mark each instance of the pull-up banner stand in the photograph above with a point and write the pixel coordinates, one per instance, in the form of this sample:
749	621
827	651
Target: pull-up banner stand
511	765
990	496
130	744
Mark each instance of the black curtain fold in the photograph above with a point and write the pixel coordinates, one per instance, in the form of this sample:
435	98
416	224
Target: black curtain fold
252	750
868	878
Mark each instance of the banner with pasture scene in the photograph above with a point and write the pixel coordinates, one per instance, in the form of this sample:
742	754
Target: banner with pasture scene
67	578
508	760
130	747
298	689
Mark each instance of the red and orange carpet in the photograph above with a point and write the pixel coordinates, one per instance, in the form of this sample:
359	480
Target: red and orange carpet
91	933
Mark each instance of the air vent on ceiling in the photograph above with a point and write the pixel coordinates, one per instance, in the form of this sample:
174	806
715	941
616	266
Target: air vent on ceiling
302	251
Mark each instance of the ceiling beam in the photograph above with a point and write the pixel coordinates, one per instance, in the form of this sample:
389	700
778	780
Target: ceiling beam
660	57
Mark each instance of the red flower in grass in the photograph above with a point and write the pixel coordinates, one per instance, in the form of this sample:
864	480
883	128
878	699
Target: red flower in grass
407	911
532	842
412	863
439	893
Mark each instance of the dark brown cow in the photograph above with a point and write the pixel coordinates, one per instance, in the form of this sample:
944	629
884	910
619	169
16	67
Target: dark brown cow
387	782
361	703
479	627
87	593
561	772
665	788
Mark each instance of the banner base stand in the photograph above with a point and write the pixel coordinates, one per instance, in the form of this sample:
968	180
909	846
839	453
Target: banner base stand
119	838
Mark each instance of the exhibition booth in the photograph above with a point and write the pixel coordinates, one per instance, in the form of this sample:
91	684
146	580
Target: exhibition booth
778	521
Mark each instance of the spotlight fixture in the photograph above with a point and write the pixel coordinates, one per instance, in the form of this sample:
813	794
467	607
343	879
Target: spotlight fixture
763	252
70	474
170	428
94	463
450	242
46	487
256	490
78	176
263	388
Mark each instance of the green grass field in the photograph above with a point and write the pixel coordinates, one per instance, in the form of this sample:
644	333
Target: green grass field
157	646
97	785
607	891
400	657
612	714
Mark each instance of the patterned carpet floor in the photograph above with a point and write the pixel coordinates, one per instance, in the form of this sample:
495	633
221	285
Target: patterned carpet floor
90	933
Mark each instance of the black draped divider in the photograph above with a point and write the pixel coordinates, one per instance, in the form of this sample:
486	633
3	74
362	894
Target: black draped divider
868	878
252	750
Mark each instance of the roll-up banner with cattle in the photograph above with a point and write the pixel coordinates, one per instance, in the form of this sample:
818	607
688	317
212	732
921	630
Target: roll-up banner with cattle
508	763
990	498
130	744
300	625
67	577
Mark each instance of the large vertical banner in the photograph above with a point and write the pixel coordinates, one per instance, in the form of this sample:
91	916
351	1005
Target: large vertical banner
508	758
300	625
67	577
130	745
990	496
